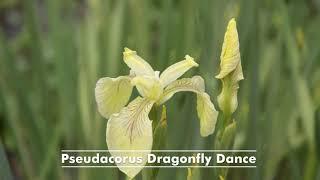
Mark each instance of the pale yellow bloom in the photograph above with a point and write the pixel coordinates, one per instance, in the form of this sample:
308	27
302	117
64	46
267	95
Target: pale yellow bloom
129	128
230	69
112	94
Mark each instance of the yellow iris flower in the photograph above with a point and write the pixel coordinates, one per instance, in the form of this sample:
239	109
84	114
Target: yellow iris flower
129	127
230	69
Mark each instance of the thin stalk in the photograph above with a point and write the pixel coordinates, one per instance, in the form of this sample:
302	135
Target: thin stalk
4	165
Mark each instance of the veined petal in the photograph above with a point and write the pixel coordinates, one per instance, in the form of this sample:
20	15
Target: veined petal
194	84
205	108
176	70
230	54
237	74
138	65
207	114
148	86
131	129
112	94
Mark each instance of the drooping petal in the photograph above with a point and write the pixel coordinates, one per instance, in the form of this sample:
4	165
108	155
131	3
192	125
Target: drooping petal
112	94
131	129
230	54
176	70
138	65
207	114
148	86
194	84
205	108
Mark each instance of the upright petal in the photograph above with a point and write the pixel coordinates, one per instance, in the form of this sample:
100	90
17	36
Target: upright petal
230	54
237	73
131	129
148	86
138	65
112	94
176	70
205	108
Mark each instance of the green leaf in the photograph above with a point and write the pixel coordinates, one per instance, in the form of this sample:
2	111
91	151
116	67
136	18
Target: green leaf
5	172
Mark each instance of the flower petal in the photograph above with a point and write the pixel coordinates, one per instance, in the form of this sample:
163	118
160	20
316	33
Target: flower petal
207	114
227	99
194	84
148	86
230	54
176	70
237	74
131	129
205	108
112	94
136	63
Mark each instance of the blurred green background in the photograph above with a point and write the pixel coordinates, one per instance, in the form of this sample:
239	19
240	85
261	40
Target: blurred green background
52	52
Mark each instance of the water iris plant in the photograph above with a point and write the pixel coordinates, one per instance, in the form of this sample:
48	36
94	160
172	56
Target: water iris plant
129	127
230	74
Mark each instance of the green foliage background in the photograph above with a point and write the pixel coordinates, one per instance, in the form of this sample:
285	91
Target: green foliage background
52	52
